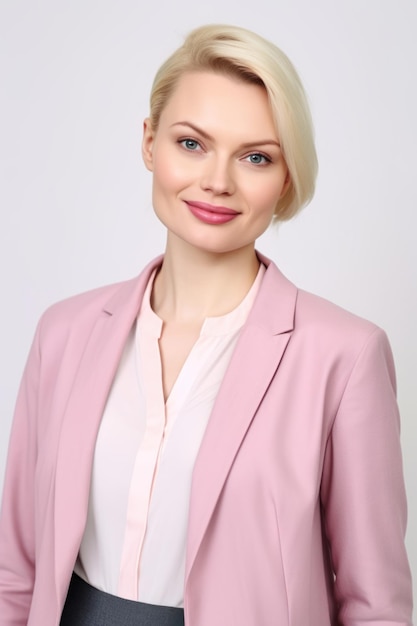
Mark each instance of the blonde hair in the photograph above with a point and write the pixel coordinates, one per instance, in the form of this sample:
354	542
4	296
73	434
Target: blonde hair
241	53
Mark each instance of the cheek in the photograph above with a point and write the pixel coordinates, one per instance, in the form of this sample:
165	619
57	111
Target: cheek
265	197
169	174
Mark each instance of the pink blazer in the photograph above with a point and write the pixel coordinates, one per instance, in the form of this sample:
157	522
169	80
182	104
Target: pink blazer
299	474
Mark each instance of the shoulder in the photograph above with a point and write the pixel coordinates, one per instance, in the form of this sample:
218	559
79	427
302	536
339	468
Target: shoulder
82	305
80	312
318	326
316	313
338	336
331	346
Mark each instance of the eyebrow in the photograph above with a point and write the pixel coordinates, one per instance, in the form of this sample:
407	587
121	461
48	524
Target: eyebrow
251	144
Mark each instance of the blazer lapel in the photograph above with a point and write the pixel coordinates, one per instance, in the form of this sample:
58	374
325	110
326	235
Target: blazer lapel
255	360
81	420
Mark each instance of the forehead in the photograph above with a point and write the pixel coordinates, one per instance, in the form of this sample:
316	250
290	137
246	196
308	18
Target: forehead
219	102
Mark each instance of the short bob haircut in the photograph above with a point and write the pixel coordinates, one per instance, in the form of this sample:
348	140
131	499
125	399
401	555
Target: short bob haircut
240	53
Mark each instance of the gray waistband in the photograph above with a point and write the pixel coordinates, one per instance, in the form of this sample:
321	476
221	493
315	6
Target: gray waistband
87	606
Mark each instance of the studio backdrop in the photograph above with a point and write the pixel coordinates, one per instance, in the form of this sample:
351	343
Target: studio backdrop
75	197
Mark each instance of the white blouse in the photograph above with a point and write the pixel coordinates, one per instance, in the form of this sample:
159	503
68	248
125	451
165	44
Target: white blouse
135	538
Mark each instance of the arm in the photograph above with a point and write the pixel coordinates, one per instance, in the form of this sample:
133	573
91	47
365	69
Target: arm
363	496
17	520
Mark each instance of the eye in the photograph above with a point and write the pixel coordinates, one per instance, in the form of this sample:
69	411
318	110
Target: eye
190	144
258	159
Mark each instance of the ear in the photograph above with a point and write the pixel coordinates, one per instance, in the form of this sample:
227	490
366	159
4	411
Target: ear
147	144
287	183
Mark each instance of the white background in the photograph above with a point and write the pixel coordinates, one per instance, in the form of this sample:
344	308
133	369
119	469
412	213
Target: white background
75	198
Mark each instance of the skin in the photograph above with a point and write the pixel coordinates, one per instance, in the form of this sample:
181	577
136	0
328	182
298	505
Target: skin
216	143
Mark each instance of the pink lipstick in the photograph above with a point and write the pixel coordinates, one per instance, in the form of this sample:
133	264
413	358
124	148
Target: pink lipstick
210	213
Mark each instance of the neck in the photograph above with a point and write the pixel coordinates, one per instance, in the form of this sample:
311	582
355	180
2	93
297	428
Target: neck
194	284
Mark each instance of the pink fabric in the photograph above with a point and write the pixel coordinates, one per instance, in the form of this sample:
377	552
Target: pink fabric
144	457
299	467
147	458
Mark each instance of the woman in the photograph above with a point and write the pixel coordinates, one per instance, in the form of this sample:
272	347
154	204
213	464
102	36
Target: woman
207	441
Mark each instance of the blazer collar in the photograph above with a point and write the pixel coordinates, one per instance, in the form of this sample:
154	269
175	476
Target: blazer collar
128	297
274	307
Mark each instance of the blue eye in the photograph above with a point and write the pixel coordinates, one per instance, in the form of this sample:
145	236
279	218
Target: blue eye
190	144
258	159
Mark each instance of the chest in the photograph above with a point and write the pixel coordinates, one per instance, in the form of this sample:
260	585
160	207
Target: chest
175	345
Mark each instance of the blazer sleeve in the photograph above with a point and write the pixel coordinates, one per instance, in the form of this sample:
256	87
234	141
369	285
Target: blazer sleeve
363	496
17	519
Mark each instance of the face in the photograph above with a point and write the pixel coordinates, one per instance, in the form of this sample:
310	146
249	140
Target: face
218	170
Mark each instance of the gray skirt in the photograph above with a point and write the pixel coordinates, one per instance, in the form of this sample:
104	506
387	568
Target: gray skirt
87	606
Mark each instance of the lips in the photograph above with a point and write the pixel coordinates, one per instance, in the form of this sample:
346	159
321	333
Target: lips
210	213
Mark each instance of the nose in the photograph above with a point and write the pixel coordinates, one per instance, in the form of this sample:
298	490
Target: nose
217	176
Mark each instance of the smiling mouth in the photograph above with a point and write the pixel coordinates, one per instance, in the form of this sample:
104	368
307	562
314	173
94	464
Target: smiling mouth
211	213
212	208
